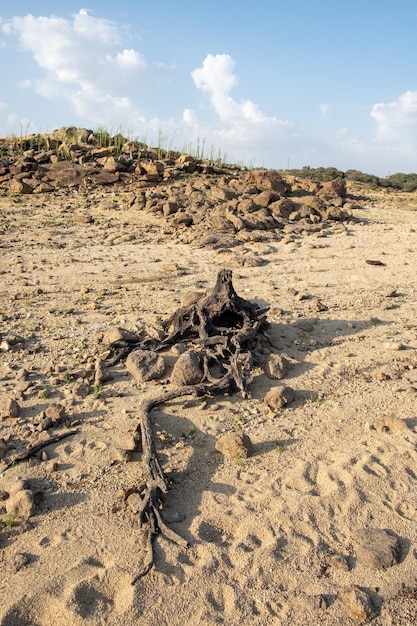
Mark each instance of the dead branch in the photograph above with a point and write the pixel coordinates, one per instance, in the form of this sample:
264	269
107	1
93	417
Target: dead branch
32	450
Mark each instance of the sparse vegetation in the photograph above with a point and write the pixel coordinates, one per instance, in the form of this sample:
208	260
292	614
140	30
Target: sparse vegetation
399	181
10	521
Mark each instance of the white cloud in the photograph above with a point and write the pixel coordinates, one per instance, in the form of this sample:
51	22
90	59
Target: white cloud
84	62
217	79
397	121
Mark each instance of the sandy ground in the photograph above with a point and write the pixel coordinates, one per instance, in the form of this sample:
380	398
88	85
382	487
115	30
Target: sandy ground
273	539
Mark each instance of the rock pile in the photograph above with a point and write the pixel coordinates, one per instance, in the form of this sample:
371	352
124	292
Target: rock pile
200	197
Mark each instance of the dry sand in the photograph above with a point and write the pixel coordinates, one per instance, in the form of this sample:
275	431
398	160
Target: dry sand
273	539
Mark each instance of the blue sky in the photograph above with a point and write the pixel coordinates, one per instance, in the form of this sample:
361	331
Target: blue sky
270	83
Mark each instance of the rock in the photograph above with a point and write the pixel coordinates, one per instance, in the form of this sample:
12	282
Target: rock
268	180
377	549
19	186
234	446
331	188
135	502
145	365
278	397
102	374
10	408
115	333
390	424
3	449
357	604
317	305
190	297
21	504
277	366
304	325
155	332
187	370
18	560
56	412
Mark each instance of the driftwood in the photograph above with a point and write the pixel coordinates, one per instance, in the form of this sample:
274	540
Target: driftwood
221	327
37	447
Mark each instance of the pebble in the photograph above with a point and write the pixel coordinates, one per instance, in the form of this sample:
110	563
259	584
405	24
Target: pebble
304	325
278	397
392	345
187	370
357	604
145	365
234	445
21	504
10	408
378	548
277	366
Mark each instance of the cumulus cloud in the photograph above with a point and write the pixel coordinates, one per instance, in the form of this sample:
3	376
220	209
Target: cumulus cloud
216	78
84	61
397	121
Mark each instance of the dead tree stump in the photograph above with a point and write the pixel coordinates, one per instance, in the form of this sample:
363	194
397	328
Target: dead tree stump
223	328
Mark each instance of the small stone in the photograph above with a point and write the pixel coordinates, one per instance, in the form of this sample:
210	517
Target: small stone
277	366
102	374
190	297
119	334
304	325
278	397
56	412
392	345
10	408
187	370
145	365
390	424
44	424
135	502
340	562
234	445
377	549
21	504
357	604
317	305
52	466
18	560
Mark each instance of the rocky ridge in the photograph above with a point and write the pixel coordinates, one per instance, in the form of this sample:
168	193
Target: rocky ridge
205	201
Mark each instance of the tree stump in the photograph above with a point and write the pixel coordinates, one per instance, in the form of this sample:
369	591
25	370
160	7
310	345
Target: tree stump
223	327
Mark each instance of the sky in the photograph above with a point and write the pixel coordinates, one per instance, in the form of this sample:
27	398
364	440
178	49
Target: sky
277	84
